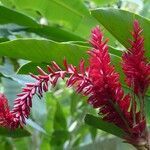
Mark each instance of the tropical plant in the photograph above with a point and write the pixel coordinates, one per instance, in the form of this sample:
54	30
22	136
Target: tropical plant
118	88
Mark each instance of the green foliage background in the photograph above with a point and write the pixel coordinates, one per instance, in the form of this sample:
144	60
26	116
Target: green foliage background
35	32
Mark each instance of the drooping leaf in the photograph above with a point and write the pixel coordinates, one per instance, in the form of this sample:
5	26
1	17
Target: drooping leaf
102	125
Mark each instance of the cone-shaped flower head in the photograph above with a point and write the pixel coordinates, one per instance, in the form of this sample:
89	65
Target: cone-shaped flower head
135	65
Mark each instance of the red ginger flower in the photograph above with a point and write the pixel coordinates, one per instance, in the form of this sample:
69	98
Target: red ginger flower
99	82
107	93
135	65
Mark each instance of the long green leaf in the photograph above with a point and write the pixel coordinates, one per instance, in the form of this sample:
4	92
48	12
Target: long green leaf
120	23
55	33
32	66
43	50
63	12
71	15
40	51
16	22
105	126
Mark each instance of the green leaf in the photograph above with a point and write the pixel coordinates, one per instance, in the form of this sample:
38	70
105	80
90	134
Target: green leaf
59	119
43	50
15	22
93	132
145	11
8	145
58	138
147	110
120	23
68	12
71	15
54	33
17	133
74	100
3	39
102	125
8	16
31	67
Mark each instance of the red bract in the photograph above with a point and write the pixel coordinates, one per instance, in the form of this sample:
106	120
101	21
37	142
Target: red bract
6	118
135	65
99	82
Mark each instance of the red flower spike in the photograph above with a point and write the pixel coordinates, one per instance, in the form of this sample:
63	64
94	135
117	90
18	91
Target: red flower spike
107	93
135	65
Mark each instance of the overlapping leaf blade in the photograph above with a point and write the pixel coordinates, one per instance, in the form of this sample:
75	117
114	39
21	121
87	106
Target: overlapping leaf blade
15	22
105	126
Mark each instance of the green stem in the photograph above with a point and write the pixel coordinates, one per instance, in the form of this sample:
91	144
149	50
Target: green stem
142	103
133	108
